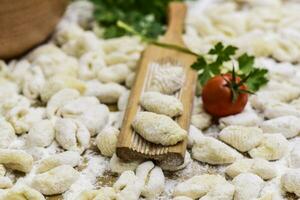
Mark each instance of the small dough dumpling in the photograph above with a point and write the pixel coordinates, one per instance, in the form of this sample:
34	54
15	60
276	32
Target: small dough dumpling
71	158
153	178
182	198
89	65
247	186
159	129
290	181
59	99
72	135
56	180
201	120
5	182
241	137
294	159
56	83
104	193
245	118
106	93
272	147
167	78
23	192
114	73
16	159
7	133
119	166
213	151
161	104
88	111
123	100
41	134
128	186
258	166
288	126
107	140
198	186
222	191
194	135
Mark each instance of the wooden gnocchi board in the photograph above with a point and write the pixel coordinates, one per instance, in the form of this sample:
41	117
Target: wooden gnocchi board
130	145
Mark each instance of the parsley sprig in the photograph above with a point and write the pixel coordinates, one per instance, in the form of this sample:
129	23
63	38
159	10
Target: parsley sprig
146	16
251	76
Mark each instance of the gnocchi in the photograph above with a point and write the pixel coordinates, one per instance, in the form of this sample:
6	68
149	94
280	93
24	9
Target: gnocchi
242	138
107	141
41	134
153	178
118	166
7	133
291	181
294	158
56	180
72	135
213	151
23	192
272	147
159	129
161	104
16	159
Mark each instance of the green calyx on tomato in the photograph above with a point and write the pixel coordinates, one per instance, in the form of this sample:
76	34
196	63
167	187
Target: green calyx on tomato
226	93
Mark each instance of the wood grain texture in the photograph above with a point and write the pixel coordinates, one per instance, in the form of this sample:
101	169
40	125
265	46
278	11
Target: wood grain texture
130	145
26	23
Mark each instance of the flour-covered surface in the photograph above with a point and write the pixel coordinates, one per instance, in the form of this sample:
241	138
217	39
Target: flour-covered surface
67	96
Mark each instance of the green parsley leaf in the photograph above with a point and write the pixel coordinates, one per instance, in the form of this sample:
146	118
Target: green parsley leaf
246	63
224	54
257	79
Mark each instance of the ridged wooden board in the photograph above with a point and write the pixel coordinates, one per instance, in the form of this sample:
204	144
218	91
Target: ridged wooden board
130	145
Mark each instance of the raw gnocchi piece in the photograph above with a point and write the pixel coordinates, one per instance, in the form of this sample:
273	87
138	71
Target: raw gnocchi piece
86	42
128	186
201	120
258	166
56	83
182	198
290	181
106	141
272	147
114	73
153	179
23	192
246	118
123	100
213	151
130	80
89	112
279	109
41	134
222	191
170	167
56	180
104	193
72	135
194	135
294	159
71	158
89	65
159	129
7	133
59	99
241	137
64	34
2	170
33	83
288	126
118	166
107	93
247	186
16	159
198	186
161	104
167	78
5	182
48	49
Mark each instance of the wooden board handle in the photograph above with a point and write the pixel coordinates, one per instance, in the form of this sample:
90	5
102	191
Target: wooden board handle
176	17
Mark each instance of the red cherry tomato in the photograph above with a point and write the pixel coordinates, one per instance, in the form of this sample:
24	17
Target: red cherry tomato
217	97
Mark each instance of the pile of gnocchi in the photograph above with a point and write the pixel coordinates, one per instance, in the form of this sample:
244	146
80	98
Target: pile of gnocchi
62	107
